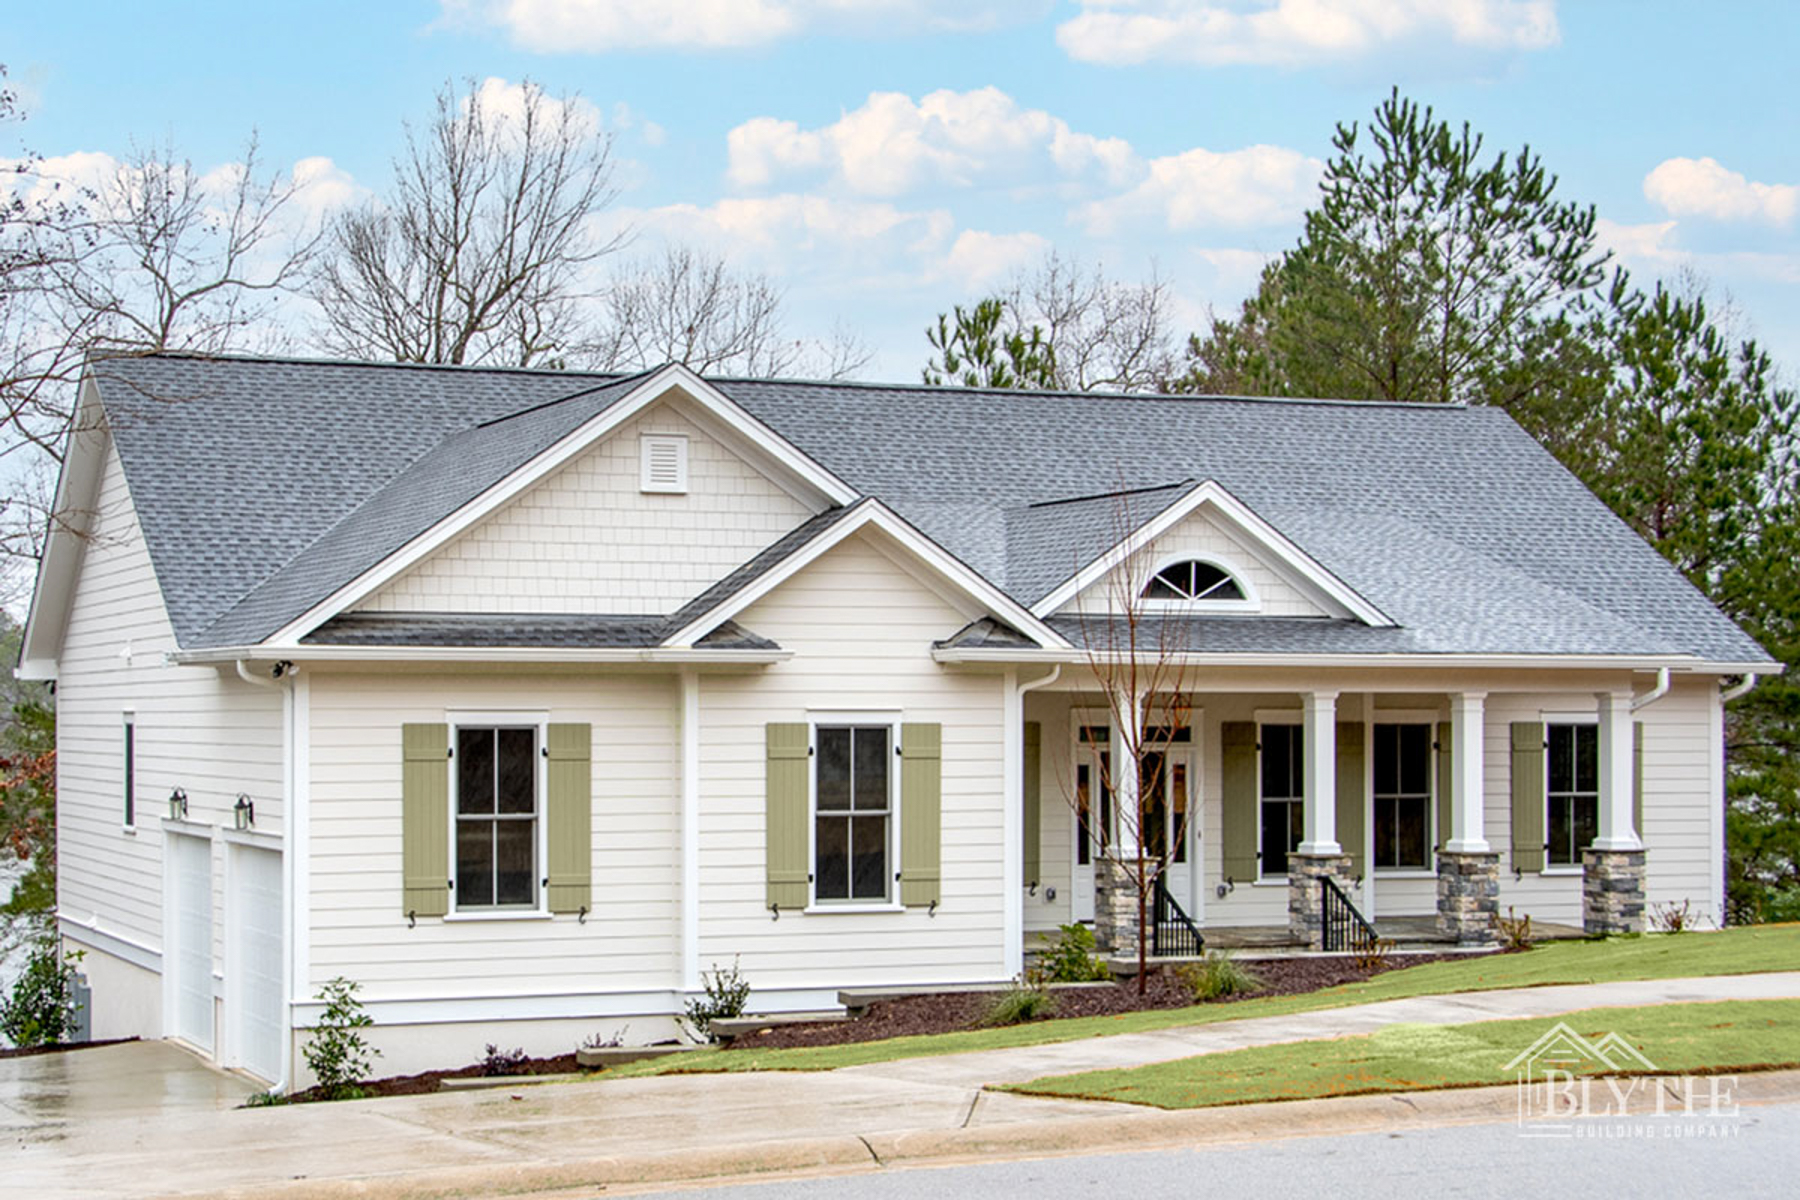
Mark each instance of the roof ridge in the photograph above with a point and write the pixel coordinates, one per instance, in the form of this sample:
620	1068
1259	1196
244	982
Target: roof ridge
1067	394
305	360
575	395
1115	494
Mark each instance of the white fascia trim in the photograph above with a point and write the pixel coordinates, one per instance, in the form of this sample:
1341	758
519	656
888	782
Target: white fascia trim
674	378
88	933
872	512
677	656
954	654
1272	540
54	585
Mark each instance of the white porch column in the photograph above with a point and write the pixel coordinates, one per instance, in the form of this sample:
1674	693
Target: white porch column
1012	824
1616	832
1467	834
690	831
1127	816
1320	774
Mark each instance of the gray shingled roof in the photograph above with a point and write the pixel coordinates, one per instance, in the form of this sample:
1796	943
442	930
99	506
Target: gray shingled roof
264	485
629	632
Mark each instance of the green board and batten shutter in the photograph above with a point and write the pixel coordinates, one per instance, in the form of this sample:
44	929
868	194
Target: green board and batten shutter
1238	743
921	811
1352	801
1446	775
786	814
569	798
1528	795
1034	744
425	820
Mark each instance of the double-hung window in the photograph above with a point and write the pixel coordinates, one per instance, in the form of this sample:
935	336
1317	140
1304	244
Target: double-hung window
497	816
1572	763
853	809
1402	796
129	767
1282	788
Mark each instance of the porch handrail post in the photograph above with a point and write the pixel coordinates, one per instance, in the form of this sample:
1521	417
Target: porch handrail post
1319	802
1467	833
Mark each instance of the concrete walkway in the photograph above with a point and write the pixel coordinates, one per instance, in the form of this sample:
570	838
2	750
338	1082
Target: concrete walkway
144	1119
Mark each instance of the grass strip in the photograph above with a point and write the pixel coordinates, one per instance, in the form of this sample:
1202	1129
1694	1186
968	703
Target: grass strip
1680	1039
1741	951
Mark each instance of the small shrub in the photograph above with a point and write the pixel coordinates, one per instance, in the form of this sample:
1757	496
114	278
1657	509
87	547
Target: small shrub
265	1100
1028	999
1369	954
1673	918
1218	975
616	1038
336	1052
1515	932
726	994
1071	958
498	1062
40	1011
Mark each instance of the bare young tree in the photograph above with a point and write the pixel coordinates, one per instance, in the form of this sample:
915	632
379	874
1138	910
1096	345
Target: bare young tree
691	307
482	249
1137	654
1104	334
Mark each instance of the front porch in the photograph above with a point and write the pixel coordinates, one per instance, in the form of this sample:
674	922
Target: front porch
1431	811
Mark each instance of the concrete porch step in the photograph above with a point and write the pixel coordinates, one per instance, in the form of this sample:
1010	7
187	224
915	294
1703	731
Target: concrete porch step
727	1028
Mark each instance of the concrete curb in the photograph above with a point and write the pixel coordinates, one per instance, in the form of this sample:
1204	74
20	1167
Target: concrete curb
1131	1129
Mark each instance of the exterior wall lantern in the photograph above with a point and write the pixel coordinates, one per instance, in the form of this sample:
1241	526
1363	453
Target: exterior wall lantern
178	805
243	813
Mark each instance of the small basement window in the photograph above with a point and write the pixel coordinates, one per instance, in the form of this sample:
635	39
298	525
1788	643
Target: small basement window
1192	580
663	463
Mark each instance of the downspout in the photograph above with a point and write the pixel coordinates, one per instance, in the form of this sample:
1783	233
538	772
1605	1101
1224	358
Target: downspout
1658	692
1732	693
1013	882
284	671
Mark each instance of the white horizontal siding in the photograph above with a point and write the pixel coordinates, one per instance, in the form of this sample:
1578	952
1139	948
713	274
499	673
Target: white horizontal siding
198	728
1201	535
861	629
356	920
586	540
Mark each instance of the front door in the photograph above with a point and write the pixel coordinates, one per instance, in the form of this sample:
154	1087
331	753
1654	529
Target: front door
1166	782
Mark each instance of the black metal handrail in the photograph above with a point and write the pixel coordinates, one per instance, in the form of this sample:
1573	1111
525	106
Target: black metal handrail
1172	934
1344	927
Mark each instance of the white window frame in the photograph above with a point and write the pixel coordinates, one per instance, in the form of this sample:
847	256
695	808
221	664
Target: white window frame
1252	601
128	770
1431	721
1079	719
538	720
1547	719
648	445
1262	722
864	719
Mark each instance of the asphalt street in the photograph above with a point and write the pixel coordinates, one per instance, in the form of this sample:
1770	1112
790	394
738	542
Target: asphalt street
1756	1154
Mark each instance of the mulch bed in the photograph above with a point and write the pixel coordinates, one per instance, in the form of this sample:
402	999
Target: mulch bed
427	1082
34	1051
947	1012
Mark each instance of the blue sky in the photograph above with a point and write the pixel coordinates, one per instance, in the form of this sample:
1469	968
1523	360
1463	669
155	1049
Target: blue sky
883	159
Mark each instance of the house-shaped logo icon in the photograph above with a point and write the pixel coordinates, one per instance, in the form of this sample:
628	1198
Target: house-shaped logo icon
1563	1050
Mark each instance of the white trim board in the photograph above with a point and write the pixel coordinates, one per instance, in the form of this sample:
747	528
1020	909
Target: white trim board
672	381
1281	554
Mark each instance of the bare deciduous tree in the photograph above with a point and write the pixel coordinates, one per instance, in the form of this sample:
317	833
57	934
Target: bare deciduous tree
692	307
482	249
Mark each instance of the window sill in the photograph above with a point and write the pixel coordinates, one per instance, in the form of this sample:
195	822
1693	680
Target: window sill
1270	881
828	907
521	915
1405	873
129	830
1566	872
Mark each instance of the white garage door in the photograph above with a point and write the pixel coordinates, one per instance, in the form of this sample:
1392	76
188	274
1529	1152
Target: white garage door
253	994
191	873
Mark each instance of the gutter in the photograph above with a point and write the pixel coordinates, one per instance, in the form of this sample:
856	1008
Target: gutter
1659	663
496	654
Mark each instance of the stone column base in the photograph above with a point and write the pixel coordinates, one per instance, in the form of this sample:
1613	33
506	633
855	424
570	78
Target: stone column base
1468	897
1306	918
1612	891
1115	909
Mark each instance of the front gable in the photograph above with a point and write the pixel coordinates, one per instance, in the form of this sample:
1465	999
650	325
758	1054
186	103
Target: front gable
599	535
1208	524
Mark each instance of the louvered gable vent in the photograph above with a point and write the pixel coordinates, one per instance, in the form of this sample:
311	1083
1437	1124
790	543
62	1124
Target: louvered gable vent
664	463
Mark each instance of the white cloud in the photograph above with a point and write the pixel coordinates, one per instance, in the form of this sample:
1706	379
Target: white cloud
978	258
1654	247
892	145
1295	32
598	26
1703	188
1258	185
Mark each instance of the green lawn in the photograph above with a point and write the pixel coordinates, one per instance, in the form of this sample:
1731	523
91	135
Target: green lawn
1655	956
1681	1039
